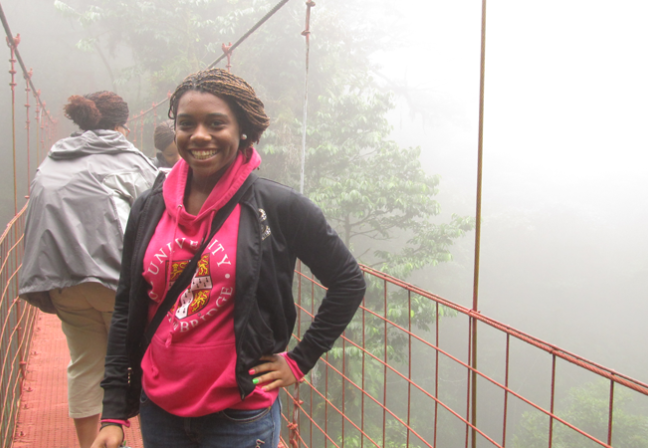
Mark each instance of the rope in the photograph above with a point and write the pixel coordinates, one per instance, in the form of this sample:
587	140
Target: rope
264	19
13	44
480	151
27	123
306	34
227	51
293	427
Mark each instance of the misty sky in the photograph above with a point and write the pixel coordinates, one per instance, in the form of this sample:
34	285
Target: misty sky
565	200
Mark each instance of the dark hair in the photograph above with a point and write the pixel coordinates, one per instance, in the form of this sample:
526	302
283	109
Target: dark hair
238	94
163	135
99	110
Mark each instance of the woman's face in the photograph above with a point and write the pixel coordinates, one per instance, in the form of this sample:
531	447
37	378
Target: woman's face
207	134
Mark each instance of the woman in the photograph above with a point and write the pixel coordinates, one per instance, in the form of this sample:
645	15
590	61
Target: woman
80	201
212	372
164	141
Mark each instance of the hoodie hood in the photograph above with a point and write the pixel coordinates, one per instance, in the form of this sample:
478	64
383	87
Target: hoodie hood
227	186
97	141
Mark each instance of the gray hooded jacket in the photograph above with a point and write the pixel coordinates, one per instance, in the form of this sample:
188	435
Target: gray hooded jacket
80	200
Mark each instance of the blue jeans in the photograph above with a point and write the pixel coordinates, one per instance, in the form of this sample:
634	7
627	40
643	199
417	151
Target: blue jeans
230	428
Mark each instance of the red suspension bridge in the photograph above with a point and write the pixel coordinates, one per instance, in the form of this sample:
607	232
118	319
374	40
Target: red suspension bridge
412	370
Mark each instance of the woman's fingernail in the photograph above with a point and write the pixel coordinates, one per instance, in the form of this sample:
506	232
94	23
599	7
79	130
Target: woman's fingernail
251	372
255	381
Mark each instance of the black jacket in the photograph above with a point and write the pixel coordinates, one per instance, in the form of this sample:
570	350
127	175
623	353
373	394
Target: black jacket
277	225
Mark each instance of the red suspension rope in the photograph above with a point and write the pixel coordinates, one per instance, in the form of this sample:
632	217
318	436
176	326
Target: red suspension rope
480	151
306	34
12	43
27	122
256	26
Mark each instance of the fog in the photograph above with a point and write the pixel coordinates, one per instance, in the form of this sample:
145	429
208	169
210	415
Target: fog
565	189
565	156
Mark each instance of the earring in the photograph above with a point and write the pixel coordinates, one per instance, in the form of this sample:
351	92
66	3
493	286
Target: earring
243	136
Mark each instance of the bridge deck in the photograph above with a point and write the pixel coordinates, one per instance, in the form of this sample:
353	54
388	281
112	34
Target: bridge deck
43	419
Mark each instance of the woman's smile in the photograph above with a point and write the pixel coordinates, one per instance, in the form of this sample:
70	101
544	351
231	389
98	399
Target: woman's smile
202	154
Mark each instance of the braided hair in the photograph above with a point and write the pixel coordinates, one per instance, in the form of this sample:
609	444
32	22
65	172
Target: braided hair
238	95
99	110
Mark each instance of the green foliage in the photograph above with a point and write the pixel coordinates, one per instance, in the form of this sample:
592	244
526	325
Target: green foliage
371	189
396	437
587	408
375	193
168	38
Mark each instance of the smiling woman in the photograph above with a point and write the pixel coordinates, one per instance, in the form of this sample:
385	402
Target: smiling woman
207	270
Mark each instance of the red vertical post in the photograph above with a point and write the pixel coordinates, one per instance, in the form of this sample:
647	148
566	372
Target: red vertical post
42	125
46	125
27	122
553	398
385	368
306	34
343	384
364	351
470	375
48	137
38	118
480	153
436	374
326	394
141	131
227	49
506	385
326	383
312	302
12	43
409	363
293	435
610	414
135	131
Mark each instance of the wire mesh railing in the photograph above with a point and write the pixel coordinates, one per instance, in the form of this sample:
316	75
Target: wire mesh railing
17	317
401	377
16	328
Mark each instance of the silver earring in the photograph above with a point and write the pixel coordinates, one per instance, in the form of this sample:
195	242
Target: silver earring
243	136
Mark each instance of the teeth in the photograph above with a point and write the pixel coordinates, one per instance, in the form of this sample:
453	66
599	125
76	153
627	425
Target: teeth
202	155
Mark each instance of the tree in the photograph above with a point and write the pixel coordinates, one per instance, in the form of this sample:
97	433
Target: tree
587	408
374	192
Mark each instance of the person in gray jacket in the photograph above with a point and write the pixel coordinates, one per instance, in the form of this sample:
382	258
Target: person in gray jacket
80	200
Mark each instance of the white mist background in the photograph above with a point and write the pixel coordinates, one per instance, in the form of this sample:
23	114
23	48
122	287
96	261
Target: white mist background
565	175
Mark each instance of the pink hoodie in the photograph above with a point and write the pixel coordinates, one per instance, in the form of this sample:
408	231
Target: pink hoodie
189	368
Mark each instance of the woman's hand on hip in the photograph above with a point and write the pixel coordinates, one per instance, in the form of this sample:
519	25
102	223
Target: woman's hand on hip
109	437
275	373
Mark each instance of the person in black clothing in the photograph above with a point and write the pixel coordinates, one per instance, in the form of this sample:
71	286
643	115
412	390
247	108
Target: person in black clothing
204	309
